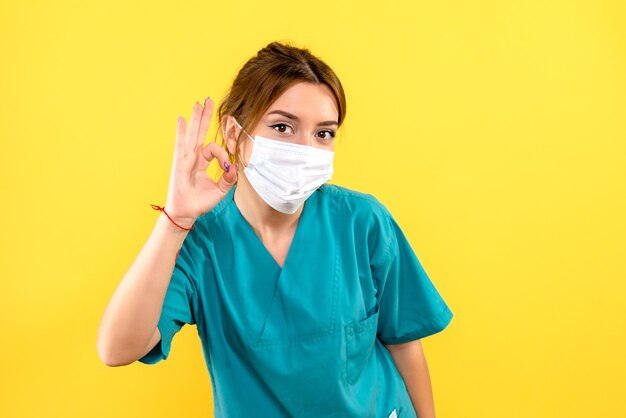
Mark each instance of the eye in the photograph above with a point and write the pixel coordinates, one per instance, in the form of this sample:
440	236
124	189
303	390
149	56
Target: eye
280	127
329	135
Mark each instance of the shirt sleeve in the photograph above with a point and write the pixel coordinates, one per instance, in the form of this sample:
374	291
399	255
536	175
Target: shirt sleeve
410	307
179	306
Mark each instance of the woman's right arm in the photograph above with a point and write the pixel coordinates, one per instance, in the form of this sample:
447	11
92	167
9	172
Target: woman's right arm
128	329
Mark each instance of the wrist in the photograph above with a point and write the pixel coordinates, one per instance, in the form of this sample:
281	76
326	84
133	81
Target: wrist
181	223
173	228
190	221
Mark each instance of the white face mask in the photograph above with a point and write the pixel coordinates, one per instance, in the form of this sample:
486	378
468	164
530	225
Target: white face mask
286	174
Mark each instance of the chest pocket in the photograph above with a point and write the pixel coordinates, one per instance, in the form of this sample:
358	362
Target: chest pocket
360	340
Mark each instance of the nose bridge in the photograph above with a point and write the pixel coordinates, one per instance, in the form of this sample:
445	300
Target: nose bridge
303	138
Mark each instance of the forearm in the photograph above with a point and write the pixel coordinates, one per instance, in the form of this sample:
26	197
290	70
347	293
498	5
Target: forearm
410	361
133	312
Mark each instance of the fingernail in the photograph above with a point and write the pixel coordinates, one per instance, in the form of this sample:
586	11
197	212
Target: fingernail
237	167
226	166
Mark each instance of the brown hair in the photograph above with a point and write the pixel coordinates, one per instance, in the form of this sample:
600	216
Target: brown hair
266	76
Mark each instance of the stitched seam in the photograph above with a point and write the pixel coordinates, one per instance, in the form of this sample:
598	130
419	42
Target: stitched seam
387	252
431	327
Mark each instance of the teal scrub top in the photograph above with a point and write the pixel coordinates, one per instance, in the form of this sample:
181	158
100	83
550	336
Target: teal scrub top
305	340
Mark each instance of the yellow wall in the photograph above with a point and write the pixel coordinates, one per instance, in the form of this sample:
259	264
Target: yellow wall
495	132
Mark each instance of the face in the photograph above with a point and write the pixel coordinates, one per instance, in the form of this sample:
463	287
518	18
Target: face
304	114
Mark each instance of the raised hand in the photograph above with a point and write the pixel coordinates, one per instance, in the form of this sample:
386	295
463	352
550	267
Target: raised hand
192	192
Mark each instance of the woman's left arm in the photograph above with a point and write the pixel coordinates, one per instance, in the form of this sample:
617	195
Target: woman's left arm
411	363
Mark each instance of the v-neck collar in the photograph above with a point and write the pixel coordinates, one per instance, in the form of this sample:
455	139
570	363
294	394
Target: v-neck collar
297	237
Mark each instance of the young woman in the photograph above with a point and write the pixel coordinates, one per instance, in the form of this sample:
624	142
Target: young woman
307	296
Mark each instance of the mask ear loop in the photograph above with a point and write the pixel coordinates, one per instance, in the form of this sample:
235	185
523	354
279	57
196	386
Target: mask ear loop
240	127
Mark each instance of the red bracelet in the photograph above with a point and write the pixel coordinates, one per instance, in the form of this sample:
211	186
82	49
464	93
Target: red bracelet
162	209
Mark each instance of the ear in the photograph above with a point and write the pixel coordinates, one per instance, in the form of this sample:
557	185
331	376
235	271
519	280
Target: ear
230	132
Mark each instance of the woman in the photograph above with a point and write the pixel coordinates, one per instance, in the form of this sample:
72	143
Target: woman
307	297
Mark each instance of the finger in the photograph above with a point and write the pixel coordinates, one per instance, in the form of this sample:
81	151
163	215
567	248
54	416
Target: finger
180	136
228	179
229	174
205	121
213	150
192	131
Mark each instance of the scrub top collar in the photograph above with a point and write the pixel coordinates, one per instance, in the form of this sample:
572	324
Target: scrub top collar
298	239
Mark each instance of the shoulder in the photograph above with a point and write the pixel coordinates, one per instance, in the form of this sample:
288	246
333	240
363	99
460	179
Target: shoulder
367	222
363	217
358	204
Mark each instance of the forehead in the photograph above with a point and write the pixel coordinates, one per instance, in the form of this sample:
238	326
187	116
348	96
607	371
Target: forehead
307	101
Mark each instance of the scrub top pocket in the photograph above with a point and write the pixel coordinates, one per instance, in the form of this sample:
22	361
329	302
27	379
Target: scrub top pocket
360	341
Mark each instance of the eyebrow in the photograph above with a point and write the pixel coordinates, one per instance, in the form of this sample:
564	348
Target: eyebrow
294	117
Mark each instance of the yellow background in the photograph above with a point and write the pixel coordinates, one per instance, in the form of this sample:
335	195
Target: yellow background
494	131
